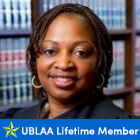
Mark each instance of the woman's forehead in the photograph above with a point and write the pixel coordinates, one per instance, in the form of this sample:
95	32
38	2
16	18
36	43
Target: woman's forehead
65	17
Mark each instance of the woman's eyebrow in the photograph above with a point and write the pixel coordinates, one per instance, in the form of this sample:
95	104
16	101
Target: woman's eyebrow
50	41
81	42
74	43
84	42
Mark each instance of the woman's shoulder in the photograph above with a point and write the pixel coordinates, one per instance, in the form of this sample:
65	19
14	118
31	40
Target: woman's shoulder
98	106
108	110
8	114
119	113
28	112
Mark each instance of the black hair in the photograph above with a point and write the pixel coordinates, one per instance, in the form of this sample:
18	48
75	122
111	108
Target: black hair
103	46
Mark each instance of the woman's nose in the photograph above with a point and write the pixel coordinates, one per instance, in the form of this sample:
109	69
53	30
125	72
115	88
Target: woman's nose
64	62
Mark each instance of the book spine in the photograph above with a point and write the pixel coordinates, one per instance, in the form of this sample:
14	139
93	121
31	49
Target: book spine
137	14
137	103
51	4
15	14
3	73
7	14
137	62
10	74
112	82
23	69
1	14
117	79
30	90
121	64
122	15
46	4
22	13
28	13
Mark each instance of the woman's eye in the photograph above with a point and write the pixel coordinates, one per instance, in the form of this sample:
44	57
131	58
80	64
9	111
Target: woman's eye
50	52
81	54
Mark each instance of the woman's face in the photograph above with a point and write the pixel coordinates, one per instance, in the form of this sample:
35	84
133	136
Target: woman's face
67	66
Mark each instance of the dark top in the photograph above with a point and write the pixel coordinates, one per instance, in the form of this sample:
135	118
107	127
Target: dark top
97	106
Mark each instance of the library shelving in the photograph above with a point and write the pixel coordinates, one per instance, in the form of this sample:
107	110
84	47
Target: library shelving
15	29
119	18
137	53
15	33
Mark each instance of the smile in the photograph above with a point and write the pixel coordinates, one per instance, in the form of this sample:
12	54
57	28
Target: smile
63	81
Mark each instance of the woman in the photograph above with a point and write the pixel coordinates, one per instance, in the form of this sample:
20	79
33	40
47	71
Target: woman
69	56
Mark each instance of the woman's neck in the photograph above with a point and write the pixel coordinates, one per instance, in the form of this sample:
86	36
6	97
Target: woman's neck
58	108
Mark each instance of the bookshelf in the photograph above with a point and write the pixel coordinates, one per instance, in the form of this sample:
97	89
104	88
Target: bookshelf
15	33
122	28
15	29
137	59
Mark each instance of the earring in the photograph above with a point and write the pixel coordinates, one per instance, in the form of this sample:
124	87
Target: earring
102	82
34	84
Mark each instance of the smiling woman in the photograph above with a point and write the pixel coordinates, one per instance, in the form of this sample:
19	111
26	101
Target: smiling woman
67	64
70	57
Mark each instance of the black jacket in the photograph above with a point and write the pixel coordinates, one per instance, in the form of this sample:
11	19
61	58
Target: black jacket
97	106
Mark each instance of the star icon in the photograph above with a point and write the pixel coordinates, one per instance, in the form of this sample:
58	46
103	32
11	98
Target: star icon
11	130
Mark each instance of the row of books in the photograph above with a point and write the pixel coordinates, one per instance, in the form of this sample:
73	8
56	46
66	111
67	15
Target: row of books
137	62
15	14
137	103
117	79
15	80
15	86
136	107
112	12
137	13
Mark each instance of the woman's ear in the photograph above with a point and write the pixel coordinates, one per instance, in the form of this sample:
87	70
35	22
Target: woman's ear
100	81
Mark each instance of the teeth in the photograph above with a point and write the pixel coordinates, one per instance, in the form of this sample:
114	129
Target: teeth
62	79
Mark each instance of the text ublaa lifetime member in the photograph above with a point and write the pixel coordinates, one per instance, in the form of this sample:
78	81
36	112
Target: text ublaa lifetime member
77	131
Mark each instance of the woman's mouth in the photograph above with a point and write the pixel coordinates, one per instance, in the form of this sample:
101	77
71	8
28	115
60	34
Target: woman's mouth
63	82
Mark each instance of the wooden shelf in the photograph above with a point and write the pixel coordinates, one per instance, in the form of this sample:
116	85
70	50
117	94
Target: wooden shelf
138	32
137	89
118	92
15	33
120	32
